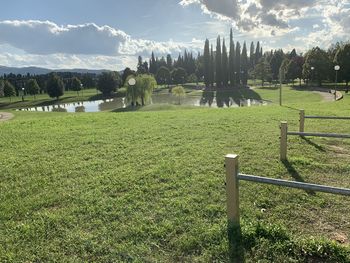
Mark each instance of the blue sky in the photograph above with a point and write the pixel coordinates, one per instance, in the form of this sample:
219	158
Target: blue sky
112	33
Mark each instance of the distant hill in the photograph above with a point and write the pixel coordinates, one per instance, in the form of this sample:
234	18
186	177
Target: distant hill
40	71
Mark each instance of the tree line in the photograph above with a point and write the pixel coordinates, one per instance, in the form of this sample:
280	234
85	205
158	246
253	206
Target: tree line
228	66
55	84
231	66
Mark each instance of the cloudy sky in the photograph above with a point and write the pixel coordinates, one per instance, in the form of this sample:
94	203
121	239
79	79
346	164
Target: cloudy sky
110	34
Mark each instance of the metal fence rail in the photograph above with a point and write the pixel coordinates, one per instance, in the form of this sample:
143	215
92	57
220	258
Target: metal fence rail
302	118
293	184
232	186
326	117
285	133
316	134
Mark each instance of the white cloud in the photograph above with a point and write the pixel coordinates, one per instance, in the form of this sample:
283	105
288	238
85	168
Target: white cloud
67	61
44	43
275	16
45	37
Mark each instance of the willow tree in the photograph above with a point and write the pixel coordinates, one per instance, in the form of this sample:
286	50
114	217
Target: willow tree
179	92
141	92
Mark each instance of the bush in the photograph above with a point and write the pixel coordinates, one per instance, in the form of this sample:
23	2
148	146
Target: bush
55	86
108	82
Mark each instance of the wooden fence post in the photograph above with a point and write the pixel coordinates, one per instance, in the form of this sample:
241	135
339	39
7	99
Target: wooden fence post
232	190
283	140
301	120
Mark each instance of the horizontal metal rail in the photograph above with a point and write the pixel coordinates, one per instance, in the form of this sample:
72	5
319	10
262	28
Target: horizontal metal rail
326	117
293	184
315	134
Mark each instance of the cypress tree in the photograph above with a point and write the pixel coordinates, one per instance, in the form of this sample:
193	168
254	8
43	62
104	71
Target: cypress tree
232	60
152	65
244	65
206	63
251	55
257	54
224	64
218	69
212	66
238	64
169	62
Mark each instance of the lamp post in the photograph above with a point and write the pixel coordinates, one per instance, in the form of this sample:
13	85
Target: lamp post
82	89
132	82
22	94
312	75
281	81
336	68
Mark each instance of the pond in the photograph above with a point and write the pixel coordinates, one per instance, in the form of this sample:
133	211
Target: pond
204	100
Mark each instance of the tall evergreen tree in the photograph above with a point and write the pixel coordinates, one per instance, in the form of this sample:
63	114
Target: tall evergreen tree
207	62
276	62
232	60
293	54
251	55
169	62
244	65
141	67
224	64
152	65
257	53
212	66
238	64
218	69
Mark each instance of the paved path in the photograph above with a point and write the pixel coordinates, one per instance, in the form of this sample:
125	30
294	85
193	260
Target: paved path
327	96
5	116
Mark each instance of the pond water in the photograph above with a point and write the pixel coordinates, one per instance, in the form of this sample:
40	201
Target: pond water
118	103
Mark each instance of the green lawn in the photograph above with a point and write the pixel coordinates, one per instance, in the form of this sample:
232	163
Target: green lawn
148	186
44	99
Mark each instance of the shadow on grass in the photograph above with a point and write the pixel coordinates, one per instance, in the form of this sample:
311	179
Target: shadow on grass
268	87
295	174
318	147
236	248
127	109
285	106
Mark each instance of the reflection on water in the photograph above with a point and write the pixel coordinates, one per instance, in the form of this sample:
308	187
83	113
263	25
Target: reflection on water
207	99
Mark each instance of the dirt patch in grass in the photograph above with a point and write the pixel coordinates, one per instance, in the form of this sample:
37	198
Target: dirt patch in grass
5	116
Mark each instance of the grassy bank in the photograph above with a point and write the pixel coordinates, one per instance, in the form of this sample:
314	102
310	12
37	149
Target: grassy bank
44	99
149	186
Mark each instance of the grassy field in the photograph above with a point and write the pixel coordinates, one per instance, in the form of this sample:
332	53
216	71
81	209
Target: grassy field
44	99
148	186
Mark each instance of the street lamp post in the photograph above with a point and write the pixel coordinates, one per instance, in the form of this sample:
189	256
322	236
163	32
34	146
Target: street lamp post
82	89
281	81
132	83
312	75
336	68
22	94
